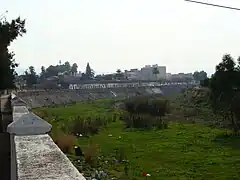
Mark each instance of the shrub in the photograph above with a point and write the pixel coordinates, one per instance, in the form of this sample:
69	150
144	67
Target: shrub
147	105
158	107
65	142
93	126
145	112
78	126
120	154
87	126
91	155
145	121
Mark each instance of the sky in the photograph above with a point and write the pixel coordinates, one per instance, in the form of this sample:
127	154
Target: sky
125	34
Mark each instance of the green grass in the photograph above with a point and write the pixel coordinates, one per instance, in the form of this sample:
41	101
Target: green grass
183	151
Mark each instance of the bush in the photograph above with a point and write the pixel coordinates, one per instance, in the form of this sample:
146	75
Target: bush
145	112
78	126
65	142
158	107
147	105
145	121
87	126
91	155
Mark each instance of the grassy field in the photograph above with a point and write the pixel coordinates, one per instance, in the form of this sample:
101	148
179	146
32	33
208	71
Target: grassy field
182	151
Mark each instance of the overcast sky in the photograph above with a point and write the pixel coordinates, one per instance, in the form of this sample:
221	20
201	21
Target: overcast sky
112	34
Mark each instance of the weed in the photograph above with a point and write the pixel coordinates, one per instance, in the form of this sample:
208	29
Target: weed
65	142
91	155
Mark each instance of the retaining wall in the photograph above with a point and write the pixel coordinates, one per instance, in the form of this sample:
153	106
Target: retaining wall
34	155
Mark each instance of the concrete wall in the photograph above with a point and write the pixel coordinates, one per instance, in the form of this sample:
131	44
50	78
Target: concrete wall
40	98
34	155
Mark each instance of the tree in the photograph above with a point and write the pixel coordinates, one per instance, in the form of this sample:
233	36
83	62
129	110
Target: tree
119	75
199	76
57	70
9	31
66	67
205	82
31	76
89	72
225	86
43	70
118	71
74	68
43	73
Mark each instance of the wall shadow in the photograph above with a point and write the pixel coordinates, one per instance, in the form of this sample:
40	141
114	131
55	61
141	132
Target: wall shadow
5	151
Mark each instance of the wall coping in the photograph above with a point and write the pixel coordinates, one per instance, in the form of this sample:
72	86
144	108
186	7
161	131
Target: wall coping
25	122
34	155
38	157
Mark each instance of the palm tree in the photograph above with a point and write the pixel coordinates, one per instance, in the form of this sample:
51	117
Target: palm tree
155	72
119	74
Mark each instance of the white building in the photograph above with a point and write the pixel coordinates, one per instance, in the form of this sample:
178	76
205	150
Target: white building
147	73
180	77
133	74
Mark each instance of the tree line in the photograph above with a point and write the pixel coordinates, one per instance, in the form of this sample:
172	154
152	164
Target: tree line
59	70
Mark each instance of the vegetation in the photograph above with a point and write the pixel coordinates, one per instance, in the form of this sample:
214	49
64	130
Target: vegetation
155	72
89	72
60	70
31	76
199	76
185	149
186	136
224	86
145	112
9	31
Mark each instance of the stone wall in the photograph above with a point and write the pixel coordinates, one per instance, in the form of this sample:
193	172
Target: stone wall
34	155
39	98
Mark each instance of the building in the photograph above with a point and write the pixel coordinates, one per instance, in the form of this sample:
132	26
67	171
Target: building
147	73
180	77
133	74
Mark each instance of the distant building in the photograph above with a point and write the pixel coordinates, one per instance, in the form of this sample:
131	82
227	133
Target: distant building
133	74
180	77
147	73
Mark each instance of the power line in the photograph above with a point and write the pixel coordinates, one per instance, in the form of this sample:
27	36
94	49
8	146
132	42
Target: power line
216	5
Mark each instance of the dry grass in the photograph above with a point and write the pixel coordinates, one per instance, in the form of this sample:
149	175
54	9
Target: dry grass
65	142
91	155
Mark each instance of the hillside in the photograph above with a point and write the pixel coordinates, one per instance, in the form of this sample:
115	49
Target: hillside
188	148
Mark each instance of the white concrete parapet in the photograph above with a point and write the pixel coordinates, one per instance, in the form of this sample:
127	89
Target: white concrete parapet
27	124
38	157
34	155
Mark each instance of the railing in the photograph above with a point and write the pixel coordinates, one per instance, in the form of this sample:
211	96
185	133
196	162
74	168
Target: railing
34	155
